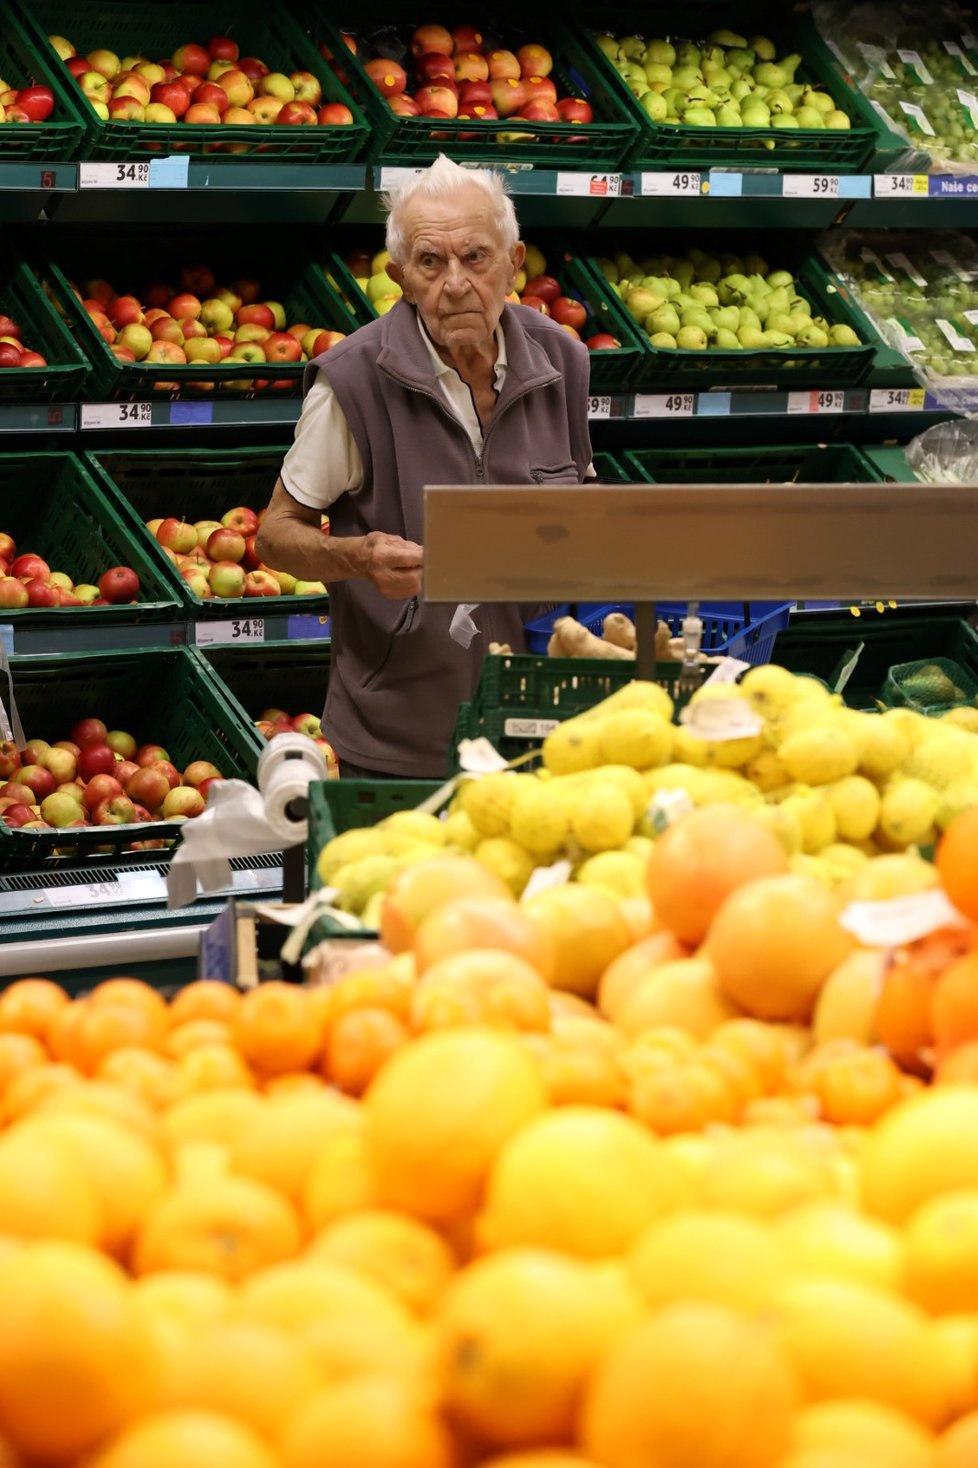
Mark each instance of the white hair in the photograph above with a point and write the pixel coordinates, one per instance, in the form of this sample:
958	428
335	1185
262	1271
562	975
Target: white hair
443	179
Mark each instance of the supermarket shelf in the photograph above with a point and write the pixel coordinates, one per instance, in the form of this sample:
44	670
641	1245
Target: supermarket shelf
62	633
38	417
229	410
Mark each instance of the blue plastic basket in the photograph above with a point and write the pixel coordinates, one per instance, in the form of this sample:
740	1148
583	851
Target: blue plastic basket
730	628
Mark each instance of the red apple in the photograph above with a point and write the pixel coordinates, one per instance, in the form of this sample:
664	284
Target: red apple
334	114
508	95
209	94
539	88
222	48
29	567
546	287
176	535
148	754
123	769
296	114
205	785
17	815
240	518
37	102
192	58
199	770
256	313
535	304
121	743
183	800
434	66
252	560
539	110
404	106
438	98
62	764
32	359
149	786
96	759
308	87
227	578
474	94
38	780
119	584
168	769
32	751
9	758
117	810
310	724
253	69
13	593
388	77
503	64
100	787
261	583
42	594
575	109
282	347
431	38
8	546
534	60
226	545
239	88
88	731
10	354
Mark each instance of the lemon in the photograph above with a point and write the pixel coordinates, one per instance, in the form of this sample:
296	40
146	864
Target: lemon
907	812
964	718
418	824
635	695
912	726
893	875
814	866
572	746
819	756
628	780
676	776
942	757
539	819
855	802
635	737
460	832
883	746
960	795
770	689
488	801
766	770
602	817
357	882
720	784
621	873
845	858
815	817
640	846
511	863
347	847
781	823
688	748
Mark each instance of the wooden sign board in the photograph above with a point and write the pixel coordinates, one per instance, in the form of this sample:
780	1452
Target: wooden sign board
768	542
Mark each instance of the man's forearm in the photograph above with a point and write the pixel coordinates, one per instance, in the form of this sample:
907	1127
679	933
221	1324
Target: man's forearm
304	551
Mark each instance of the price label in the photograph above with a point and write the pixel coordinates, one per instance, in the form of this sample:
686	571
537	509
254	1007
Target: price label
958	342
969	102
113	175
671	185
902	185
915	61
671	405
392	178
906	338
875	59
116	415
909	269
810	186
529	728
918	117
945	258
84	893
817	402
896	399
599	407
900	920
590	185
970	41
238	629
953	49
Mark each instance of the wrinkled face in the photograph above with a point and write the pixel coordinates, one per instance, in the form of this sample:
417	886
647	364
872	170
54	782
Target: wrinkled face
456	269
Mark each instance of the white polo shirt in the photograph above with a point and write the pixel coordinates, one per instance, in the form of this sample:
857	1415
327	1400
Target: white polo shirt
324	461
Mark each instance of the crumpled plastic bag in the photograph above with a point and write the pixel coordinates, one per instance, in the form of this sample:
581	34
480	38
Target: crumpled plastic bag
946	453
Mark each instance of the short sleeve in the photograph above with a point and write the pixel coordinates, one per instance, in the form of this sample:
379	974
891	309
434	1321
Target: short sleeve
323	461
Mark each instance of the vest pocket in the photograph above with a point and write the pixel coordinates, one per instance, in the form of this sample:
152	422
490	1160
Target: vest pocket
400	628
555	474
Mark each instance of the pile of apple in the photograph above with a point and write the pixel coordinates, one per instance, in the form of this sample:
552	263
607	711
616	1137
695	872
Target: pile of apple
25	104
13	353
199	321
452	73
97	777
217	558
27	580
272	721
199	84
725	81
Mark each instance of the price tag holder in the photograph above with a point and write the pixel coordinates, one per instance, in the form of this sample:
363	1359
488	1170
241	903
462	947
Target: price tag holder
915	61
896	399
815	401
810	186
84	893
589	185
901	186
599	407
918	117
671	405
116	415
113	175
672	185
953	49
238	629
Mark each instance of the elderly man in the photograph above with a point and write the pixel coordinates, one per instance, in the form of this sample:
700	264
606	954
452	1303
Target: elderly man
452	386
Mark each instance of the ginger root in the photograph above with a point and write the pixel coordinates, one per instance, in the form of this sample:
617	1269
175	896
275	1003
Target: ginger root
499	648
572	640
620	630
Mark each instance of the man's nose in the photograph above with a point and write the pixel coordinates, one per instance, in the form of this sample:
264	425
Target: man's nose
457	277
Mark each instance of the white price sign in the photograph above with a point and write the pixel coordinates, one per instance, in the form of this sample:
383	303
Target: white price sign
814	401
900	920
392	178
599	407
589	185
113	175
953	49
918	116
915	61
671	405
671	185
901	185
239	629
810	186
116	415
896	399
84	893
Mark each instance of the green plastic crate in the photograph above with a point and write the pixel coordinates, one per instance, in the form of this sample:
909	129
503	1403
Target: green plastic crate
289	675
678	146
785	464
23	63
23	298
268	31
601	145
199	484
159	695
611	470
897	693
675	370
823	643
54	507
131	259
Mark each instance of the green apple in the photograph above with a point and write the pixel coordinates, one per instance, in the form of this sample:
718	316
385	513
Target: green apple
664	340
381	284
692	339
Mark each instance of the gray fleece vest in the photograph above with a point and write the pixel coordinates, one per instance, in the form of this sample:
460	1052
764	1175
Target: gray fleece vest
396	677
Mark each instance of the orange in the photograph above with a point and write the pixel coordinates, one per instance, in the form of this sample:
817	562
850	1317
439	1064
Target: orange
124	1171
29	1089
681	1096
422	888
915	1152
176	1306
903	1014
204	999
369	1423
850	1340
438	1113
773	944
835	1239
587	929
276	1030
693	1384
100	1098
960	1067
497	923
211	1068
340	1180
190	1439
864	1432
193	1033
357	1045
580	1179
579	1062
87	1031
958	1447
487	985
257	1374
683	993
941	1240
229	1226
957	862
957	1337
699	861
44	1192
854	1084
404	1256
541	1458
221	1117
281	1141
701	1254
517	1336
954	1006
30	1007
144	1073
133	993
389	986
75	1361
631	967
18	1053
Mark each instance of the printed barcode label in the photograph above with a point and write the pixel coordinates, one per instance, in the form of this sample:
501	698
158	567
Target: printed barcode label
958	342
113	175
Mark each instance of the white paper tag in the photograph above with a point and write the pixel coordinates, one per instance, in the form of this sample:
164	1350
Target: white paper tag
392	178
914	60
589	185
721	719
953	49
907	340
238	629
896	399
909	269
917	116
480	757
971	316
969	102
660	405
902	185
958	342
671	185
727	670
542	878
901	919
599	407
875	59
667	807
516	728
810	186
113	175
116	415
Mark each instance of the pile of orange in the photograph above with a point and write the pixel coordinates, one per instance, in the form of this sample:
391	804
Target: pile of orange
547	1187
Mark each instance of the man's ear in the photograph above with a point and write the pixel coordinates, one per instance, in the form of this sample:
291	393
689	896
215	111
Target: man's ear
517	256
395	272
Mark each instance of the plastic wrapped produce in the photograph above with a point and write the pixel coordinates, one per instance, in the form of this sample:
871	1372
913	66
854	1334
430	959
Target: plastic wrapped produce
946	453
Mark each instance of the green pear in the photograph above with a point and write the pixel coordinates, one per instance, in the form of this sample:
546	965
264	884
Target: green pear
626	266
758	280
749	317
663	285
656	74
762	48
741	88
760	92
726	318
671	96
812	336
608	268
843	336
692	339
687	54
699	318
654	105
664	321
795	91
729	115
705	294
683	270
821	100
609	46
781	321
739	58
733	289
776	339
756	265
632	47
709	270
664	340
686	76
801	321
810	117
641	303
780	279
789	65
760	308
728	341
661	53
750	337
753	113
767	74
837	120
633	75
785	120
717	77
779	102
727	38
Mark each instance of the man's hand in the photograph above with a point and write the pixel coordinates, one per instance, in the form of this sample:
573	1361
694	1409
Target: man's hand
393	565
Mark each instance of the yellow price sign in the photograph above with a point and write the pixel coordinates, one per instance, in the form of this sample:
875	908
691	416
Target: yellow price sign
917	397
921	184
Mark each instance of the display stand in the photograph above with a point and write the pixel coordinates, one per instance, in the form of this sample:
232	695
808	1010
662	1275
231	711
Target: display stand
773	542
